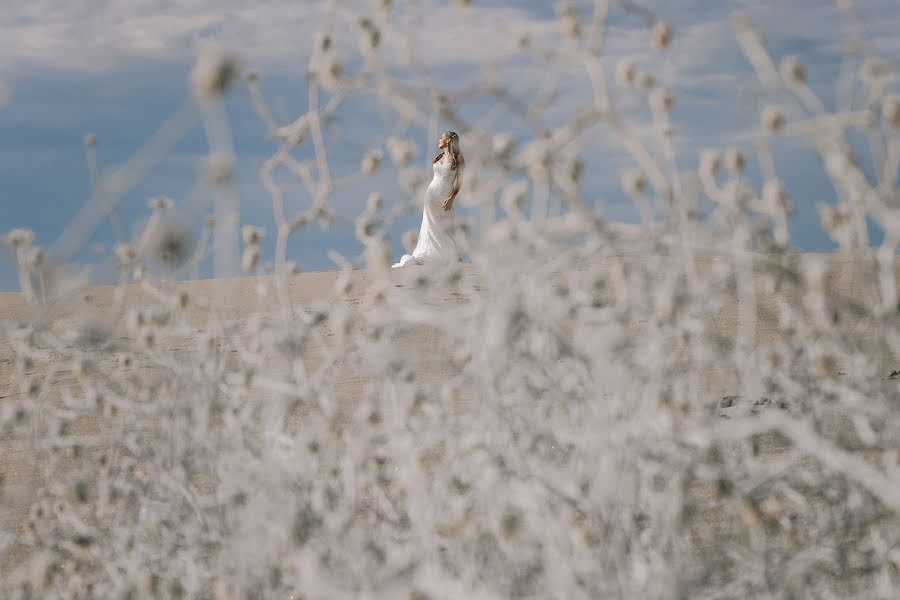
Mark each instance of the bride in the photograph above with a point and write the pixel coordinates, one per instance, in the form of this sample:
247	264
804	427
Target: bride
436	234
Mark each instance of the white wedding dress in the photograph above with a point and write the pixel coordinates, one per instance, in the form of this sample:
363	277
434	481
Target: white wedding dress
436	234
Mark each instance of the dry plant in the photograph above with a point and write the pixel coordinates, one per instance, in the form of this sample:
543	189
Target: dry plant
586	430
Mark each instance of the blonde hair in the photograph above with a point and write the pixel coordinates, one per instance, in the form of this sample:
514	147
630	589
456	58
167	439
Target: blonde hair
456	157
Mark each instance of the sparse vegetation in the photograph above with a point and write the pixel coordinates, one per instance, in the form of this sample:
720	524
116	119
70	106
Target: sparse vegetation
679	409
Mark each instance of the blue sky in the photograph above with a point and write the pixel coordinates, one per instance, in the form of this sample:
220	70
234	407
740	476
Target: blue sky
118	69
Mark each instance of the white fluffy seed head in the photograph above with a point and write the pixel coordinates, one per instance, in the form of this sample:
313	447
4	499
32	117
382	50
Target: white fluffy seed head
170	244
502	144
251	234
571	26
645	81
710	163
661	100
325	215
374	202
365	228
734	161
772	119
214	72
295	133
890	112
371	161
633	181
18	238
573	168
513	196
876	71
625	72
370	35
832	217
661	34
773	195
322	42
569	20
402	151
792	70
160	203
90	140
331	70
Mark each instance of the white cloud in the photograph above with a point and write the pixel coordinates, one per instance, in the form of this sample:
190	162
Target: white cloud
104	35
277	34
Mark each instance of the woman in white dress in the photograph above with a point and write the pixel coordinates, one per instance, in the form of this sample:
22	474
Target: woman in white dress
436	233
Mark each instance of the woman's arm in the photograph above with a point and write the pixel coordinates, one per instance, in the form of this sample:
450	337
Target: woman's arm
457	185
